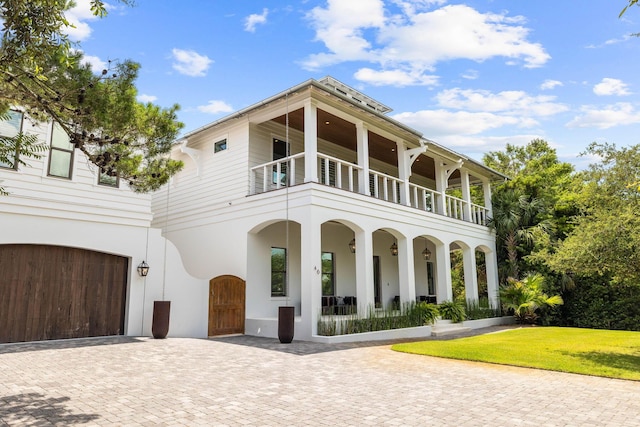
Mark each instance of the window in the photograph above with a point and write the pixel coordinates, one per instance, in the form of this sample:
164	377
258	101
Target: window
10	128
220	146
430	282
280	149
61	153
108	179
328	274
278	272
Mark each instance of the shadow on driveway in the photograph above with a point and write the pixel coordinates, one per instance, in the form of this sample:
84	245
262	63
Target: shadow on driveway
35	409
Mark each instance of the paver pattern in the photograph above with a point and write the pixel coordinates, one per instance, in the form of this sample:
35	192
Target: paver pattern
248	381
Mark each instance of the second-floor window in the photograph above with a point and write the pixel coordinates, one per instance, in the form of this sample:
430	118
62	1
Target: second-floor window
60	154
280	149
10	128
107	179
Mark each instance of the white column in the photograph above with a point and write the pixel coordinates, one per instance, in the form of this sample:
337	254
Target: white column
466	194
486	190
310	141
404	171
491	262
362	137
441	186
444	288
470	274
364	271
310	277
406	270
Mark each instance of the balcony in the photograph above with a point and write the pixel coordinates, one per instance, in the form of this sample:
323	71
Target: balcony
348	176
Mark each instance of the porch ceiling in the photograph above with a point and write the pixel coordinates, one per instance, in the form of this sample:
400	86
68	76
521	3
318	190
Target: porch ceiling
343	133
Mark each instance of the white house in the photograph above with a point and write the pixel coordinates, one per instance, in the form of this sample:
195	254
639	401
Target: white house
315	198
71	240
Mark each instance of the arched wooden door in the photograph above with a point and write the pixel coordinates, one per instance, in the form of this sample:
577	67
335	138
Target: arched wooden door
226	305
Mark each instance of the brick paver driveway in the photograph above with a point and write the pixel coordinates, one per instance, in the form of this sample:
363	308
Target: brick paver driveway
253	381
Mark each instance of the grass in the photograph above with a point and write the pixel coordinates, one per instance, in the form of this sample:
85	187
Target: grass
598	352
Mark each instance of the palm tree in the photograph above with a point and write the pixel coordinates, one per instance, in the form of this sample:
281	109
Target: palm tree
526	298
516	221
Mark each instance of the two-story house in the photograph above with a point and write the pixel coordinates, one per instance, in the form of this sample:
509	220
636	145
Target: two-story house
315	198
71	241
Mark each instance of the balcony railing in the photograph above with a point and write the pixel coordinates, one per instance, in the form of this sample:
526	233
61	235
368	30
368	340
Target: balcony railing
345	175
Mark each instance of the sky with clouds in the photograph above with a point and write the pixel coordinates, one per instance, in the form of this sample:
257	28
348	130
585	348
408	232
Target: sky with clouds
472	76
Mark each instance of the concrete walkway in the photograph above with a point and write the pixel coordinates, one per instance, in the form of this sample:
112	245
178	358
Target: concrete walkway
247	381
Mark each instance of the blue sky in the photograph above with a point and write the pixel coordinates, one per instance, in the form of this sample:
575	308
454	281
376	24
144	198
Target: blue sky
472	76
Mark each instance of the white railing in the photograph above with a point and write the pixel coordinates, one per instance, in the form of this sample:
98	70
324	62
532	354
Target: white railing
423	198
274	175
479	214
344	175
385	187
337	173
455	208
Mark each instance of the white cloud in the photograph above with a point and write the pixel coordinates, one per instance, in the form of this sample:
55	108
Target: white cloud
414	40
550	84
394	78
512	102
477	146
443	122
146	98
621	113
77	17
215	107
254	19
190	63
470	74
97	64
610	86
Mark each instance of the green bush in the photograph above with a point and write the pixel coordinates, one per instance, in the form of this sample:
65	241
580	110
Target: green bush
452	310
480	310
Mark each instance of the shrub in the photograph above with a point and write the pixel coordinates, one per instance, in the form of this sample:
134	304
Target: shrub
452	310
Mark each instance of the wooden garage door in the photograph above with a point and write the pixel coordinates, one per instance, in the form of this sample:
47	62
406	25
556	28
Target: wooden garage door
226	305
53	292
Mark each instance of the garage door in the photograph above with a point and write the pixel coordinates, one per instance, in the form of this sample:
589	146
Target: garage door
53	292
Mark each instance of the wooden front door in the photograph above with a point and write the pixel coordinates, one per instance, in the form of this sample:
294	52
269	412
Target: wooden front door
226	305
54	292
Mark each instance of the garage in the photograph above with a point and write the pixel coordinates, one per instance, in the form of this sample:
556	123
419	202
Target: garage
54	292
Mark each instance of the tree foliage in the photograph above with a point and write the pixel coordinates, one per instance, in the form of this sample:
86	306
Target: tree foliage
606	238
526	298
41	71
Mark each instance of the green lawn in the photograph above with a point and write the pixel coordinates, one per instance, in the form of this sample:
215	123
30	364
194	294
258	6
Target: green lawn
604	353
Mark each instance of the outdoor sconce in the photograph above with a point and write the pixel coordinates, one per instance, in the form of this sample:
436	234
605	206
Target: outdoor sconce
426	254
394	249
352	246
143	269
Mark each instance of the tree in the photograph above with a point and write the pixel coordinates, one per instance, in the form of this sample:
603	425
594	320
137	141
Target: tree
41	72
526	298
606	237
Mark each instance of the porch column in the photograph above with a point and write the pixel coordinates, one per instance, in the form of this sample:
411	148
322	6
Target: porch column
443	273
486	190
364	271
441	187
404	171
470	274
310	276
406	270
466	194
491	262
362	141
310	141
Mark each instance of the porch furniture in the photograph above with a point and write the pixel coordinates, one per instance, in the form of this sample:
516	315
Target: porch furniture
339	305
